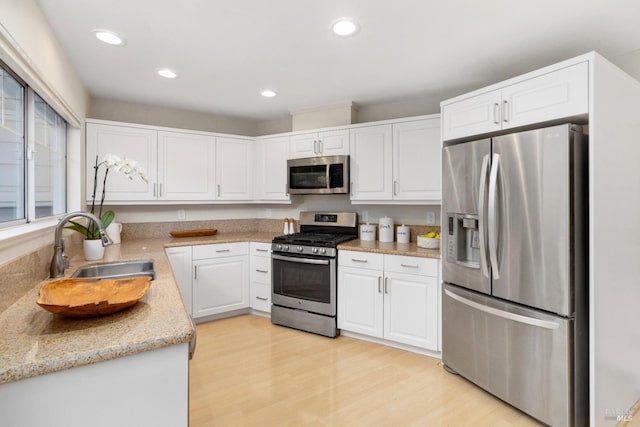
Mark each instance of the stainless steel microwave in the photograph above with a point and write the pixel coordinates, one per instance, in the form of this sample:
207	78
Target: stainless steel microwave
318	175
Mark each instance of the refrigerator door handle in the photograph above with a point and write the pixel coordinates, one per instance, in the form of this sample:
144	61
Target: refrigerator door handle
504	314
492	227
482	195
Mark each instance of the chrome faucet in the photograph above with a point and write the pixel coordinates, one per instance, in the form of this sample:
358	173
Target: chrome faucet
59	261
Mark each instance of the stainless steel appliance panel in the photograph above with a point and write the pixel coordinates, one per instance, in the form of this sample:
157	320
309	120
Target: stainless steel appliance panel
318	175
529	218
304	283
464	183
522	356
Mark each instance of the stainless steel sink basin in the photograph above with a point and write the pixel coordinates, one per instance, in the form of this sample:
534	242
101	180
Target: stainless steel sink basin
118	270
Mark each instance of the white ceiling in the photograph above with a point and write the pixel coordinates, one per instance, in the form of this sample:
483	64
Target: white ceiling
227	51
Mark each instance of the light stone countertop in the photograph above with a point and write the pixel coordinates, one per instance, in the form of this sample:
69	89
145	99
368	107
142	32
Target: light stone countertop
35	342
390	248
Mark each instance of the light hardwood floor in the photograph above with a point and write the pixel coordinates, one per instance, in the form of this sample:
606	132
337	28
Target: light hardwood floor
248	372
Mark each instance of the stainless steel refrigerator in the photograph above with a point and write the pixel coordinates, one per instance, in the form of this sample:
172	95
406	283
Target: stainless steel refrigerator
514	266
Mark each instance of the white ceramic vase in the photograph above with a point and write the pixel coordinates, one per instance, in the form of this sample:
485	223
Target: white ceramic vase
93	250
113	231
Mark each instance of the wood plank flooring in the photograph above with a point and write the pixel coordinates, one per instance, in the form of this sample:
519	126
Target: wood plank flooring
248	372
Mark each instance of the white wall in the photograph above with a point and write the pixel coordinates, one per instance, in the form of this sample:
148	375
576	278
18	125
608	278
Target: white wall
614	271
416	215
29	47
109	109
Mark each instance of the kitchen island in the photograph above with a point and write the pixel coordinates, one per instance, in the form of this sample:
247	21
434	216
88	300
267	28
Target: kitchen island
131	364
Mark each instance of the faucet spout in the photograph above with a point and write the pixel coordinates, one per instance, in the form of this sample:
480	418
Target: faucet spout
59	261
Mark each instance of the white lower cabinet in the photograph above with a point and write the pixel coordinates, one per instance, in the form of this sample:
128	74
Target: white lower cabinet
220	278
389	296
180	259
260	276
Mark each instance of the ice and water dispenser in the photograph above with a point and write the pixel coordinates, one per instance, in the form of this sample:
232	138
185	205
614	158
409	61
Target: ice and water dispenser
463	240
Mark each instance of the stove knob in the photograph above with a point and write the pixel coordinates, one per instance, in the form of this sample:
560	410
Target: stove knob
315	250
324	251
285	247
300	248
278	247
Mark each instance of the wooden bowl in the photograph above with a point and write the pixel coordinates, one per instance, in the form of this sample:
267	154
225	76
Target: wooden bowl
86	297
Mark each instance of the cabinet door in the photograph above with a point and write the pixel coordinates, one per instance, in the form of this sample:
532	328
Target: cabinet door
417	161
234	169
552	96
180	260
220	285
186	166
333	142
138	144
472	116
304	145
360	301
371	167
270	177
411	310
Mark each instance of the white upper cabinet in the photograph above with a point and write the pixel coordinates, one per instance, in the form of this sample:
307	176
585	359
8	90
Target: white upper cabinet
371	168
138	144
186	166
325	143
270	172
397	162
554	95
417	160
234	169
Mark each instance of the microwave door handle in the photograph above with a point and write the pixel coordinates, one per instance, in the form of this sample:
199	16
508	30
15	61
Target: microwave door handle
301	260
482	224
493	233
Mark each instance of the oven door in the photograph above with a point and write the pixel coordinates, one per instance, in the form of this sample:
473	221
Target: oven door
304	282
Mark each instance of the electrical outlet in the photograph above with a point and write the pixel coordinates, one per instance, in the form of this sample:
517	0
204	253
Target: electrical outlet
181	214
364	216
431	218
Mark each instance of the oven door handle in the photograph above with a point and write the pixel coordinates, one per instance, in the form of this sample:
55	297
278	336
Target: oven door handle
301	260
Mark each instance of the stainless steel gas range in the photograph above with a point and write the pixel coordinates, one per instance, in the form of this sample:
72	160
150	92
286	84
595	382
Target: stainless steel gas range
304	273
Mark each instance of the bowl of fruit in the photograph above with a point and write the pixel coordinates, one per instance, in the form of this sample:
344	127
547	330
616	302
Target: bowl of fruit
431	240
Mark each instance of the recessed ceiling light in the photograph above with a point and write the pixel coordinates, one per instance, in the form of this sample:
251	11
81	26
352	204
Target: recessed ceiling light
344	27
268	93
165	72
109	37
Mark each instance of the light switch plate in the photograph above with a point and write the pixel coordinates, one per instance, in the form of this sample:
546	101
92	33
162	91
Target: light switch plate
431	218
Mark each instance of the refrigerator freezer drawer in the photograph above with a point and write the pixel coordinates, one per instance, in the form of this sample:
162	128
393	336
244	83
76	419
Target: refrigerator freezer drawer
522	356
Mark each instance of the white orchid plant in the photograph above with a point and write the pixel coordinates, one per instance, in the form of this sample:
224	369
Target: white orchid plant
130	168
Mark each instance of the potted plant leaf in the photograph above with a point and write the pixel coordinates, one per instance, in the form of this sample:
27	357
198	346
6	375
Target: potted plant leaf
93	248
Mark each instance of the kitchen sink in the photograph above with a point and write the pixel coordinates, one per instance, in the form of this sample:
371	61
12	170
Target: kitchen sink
118	270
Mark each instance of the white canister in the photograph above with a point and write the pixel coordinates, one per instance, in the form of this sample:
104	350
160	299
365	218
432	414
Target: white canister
385	229
113	231
367	232
403	234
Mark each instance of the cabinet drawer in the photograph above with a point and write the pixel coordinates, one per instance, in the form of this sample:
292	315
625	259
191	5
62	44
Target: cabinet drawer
261	249
261	269
411	265
220	250
361	259
260	297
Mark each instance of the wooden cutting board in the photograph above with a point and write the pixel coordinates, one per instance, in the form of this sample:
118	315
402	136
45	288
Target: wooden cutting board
194	233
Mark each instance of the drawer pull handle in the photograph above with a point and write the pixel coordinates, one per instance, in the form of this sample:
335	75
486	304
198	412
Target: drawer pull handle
261	271
262	250
386	285
409	265
222	250
379	286
359	260
262	298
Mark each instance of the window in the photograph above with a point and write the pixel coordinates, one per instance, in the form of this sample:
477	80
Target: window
50	158
32	186
12	144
